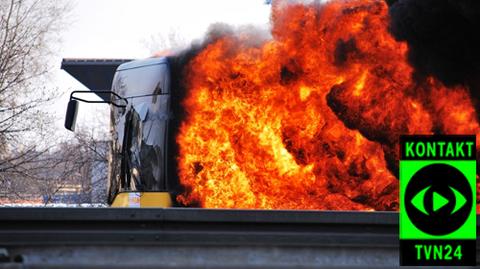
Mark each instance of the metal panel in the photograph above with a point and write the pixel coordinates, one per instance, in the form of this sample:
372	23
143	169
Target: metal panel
95	74
193	238
196	226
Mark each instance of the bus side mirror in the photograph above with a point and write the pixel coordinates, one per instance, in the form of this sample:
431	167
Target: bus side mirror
72	107
71	116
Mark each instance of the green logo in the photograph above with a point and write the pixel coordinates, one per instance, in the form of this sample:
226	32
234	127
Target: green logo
437	200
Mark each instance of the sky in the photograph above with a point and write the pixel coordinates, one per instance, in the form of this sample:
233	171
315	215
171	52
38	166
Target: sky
134	29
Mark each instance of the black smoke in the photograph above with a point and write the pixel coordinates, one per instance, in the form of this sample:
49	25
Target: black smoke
443	38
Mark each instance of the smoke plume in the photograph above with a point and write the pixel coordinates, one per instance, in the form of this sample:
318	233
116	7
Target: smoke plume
443	38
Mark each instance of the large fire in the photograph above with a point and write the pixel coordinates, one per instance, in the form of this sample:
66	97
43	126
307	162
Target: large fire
309	119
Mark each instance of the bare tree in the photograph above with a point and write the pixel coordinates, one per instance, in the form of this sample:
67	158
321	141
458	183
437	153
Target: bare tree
75	168
94	162
80	164
161	44
29	30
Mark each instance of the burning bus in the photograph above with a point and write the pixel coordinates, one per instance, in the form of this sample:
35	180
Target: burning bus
308	118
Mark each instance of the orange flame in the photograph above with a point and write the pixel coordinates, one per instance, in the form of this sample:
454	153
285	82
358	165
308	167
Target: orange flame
309	119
